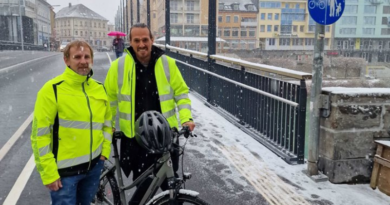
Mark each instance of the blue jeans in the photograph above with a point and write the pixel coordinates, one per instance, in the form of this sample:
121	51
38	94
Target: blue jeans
79	189
118	54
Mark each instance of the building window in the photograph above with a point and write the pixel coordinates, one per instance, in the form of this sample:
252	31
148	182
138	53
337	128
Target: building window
190	5
295	28
252	32
99	25
385	21
369	31
297	42
350	9
262	28
297	6
243	32
104	25
235	19
287	5
94	24
190	18
81	33
327	29
368	9
301	28
386	9
269	28
369	20
226	32
100	34
309	41
154	15
174	18
173	5
284	42
276	28
235	32
347	31
81	23
219	32
312	28
219	19
262	16
276	16
227	19
285	29
269	16
76	33
271	41
348	20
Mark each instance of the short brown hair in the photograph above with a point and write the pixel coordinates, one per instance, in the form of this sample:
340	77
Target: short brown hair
78	44
140	25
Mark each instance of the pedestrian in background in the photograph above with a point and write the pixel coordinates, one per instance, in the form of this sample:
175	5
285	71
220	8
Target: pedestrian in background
118	45
71	131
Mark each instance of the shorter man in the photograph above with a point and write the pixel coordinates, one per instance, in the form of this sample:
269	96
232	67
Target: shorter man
71	131
119	46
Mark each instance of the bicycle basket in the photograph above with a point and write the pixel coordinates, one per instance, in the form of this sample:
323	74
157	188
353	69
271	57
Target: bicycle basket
152	132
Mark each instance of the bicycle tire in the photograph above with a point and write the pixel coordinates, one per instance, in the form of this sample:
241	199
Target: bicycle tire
111	195
181	199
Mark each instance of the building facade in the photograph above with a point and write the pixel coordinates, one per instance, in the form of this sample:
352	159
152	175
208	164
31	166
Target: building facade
237	24
364	30
80	23
287	25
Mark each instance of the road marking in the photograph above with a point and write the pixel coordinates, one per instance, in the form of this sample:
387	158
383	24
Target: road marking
266	182
7	69
109	58
14	194
4	150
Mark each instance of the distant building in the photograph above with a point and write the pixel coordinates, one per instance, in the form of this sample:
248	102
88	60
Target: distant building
364	30
79	22
287	25
237	24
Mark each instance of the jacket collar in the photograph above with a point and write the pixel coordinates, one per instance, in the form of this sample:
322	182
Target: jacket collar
74	77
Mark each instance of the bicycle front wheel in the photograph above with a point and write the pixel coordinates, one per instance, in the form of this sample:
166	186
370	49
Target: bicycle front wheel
181	199
108	192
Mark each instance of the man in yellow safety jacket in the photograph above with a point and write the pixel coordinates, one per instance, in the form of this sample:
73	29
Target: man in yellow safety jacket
145	79
72	131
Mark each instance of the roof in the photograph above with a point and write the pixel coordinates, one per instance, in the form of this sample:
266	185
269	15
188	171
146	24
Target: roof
189	39
241	3
79	11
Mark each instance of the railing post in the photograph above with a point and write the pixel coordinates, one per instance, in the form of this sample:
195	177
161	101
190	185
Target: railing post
131	14
241	96
148	13
211	43
301	110
167	24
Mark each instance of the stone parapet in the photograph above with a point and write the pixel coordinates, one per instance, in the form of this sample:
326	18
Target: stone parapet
358	116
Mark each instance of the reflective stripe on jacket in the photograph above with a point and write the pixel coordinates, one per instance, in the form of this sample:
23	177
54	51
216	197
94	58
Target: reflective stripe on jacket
71	127
172	89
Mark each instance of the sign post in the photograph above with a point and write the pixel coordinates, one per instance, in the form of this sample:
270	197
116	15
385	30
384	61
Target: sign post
324	12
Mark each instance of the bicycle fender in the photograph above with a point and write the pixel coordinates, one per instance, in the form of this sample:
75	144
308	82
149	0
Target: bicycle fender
164	193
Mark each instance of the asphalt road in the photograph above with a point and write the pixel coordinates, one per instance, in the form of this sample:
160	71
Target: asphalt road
17	97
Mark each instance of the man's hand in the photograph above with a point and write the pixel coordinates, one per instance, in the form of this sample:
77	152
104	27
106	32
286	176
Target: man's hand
103	158
55	186
189	124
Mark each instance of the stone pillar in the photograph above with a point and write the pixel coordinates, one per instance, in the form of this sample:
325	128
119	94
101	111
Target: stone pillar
346	146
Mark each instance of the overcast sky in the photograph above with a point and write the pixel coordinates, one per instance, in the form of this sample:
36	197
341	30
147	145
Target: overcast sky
105	8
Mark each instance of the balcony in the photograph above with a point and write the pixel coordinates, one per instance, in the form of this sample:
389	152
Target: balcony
249	24
376	2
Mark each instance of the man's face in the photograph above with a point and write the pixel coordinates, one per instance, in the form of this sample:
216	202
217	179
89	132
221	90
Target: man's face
80	60
141	43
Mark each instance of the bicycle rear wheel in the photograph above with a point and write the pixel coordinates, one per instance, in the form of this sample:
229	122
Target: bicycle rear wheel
108	192
181	199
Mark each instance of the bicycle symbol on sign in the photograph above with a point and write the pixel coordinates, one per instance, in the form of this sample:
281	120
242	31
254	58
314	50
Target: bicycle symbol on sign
317	3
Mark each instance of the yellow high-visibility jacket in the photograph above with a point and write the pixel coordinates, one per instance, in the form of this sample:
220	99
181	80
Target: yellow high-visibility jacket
172	90
71	127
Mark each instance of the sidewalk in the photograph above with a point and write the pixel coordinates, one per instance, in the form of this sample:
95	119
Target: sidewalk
277	181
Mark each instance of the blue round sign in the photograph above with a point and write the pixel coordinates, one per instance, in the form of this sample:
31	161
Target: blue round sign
326	12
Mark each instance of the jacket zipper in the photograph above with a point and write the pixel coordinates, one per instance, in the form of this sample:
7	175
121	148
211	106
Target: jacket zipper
90	126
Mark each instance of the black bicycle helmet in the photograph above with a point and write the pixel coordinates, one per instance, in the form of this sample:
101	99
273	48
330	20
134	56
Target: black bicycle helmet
152	131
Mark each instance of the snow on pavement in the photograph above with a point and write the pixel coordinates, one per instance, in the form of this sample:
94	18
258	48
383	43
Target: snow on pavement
218	134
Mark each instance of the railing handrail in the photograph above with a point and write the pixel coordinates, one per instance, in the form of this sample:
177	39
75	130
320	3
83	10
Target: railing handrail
267	68
242	85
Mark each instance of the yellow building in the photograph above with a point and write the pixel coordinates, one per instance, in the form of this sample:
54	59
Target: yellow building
287	25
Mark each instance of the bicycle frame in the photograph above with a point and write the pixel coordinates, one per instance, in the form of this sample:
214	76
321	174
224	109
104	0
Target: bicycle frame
165	170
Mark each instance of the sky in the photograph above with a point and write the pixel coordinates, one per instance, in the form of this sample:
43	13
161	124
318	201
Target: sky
106	8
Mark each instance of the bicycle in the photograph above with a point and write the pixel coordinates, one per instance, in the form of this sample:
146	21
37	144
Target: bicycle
110	193
320	3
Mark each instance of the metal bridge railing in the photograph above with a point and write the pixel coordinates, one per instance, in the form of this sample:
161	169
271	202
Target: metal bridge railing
269	109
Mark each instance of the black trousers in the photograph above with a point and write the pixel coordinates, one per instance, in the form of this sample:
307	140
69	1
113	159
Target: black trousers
135	159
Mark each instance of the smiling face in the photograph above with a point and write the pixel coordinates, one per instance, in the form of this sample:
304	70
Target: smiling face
141	43
79	60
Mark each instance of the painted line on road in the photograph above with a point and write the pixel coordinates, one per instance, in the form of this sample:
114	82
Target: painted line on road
109	58
266	182
4	150
16	191
7	69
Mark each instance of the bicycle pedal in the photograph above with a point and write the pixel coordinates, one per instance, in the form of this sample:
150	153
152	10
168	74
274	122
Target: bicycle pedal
187	175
